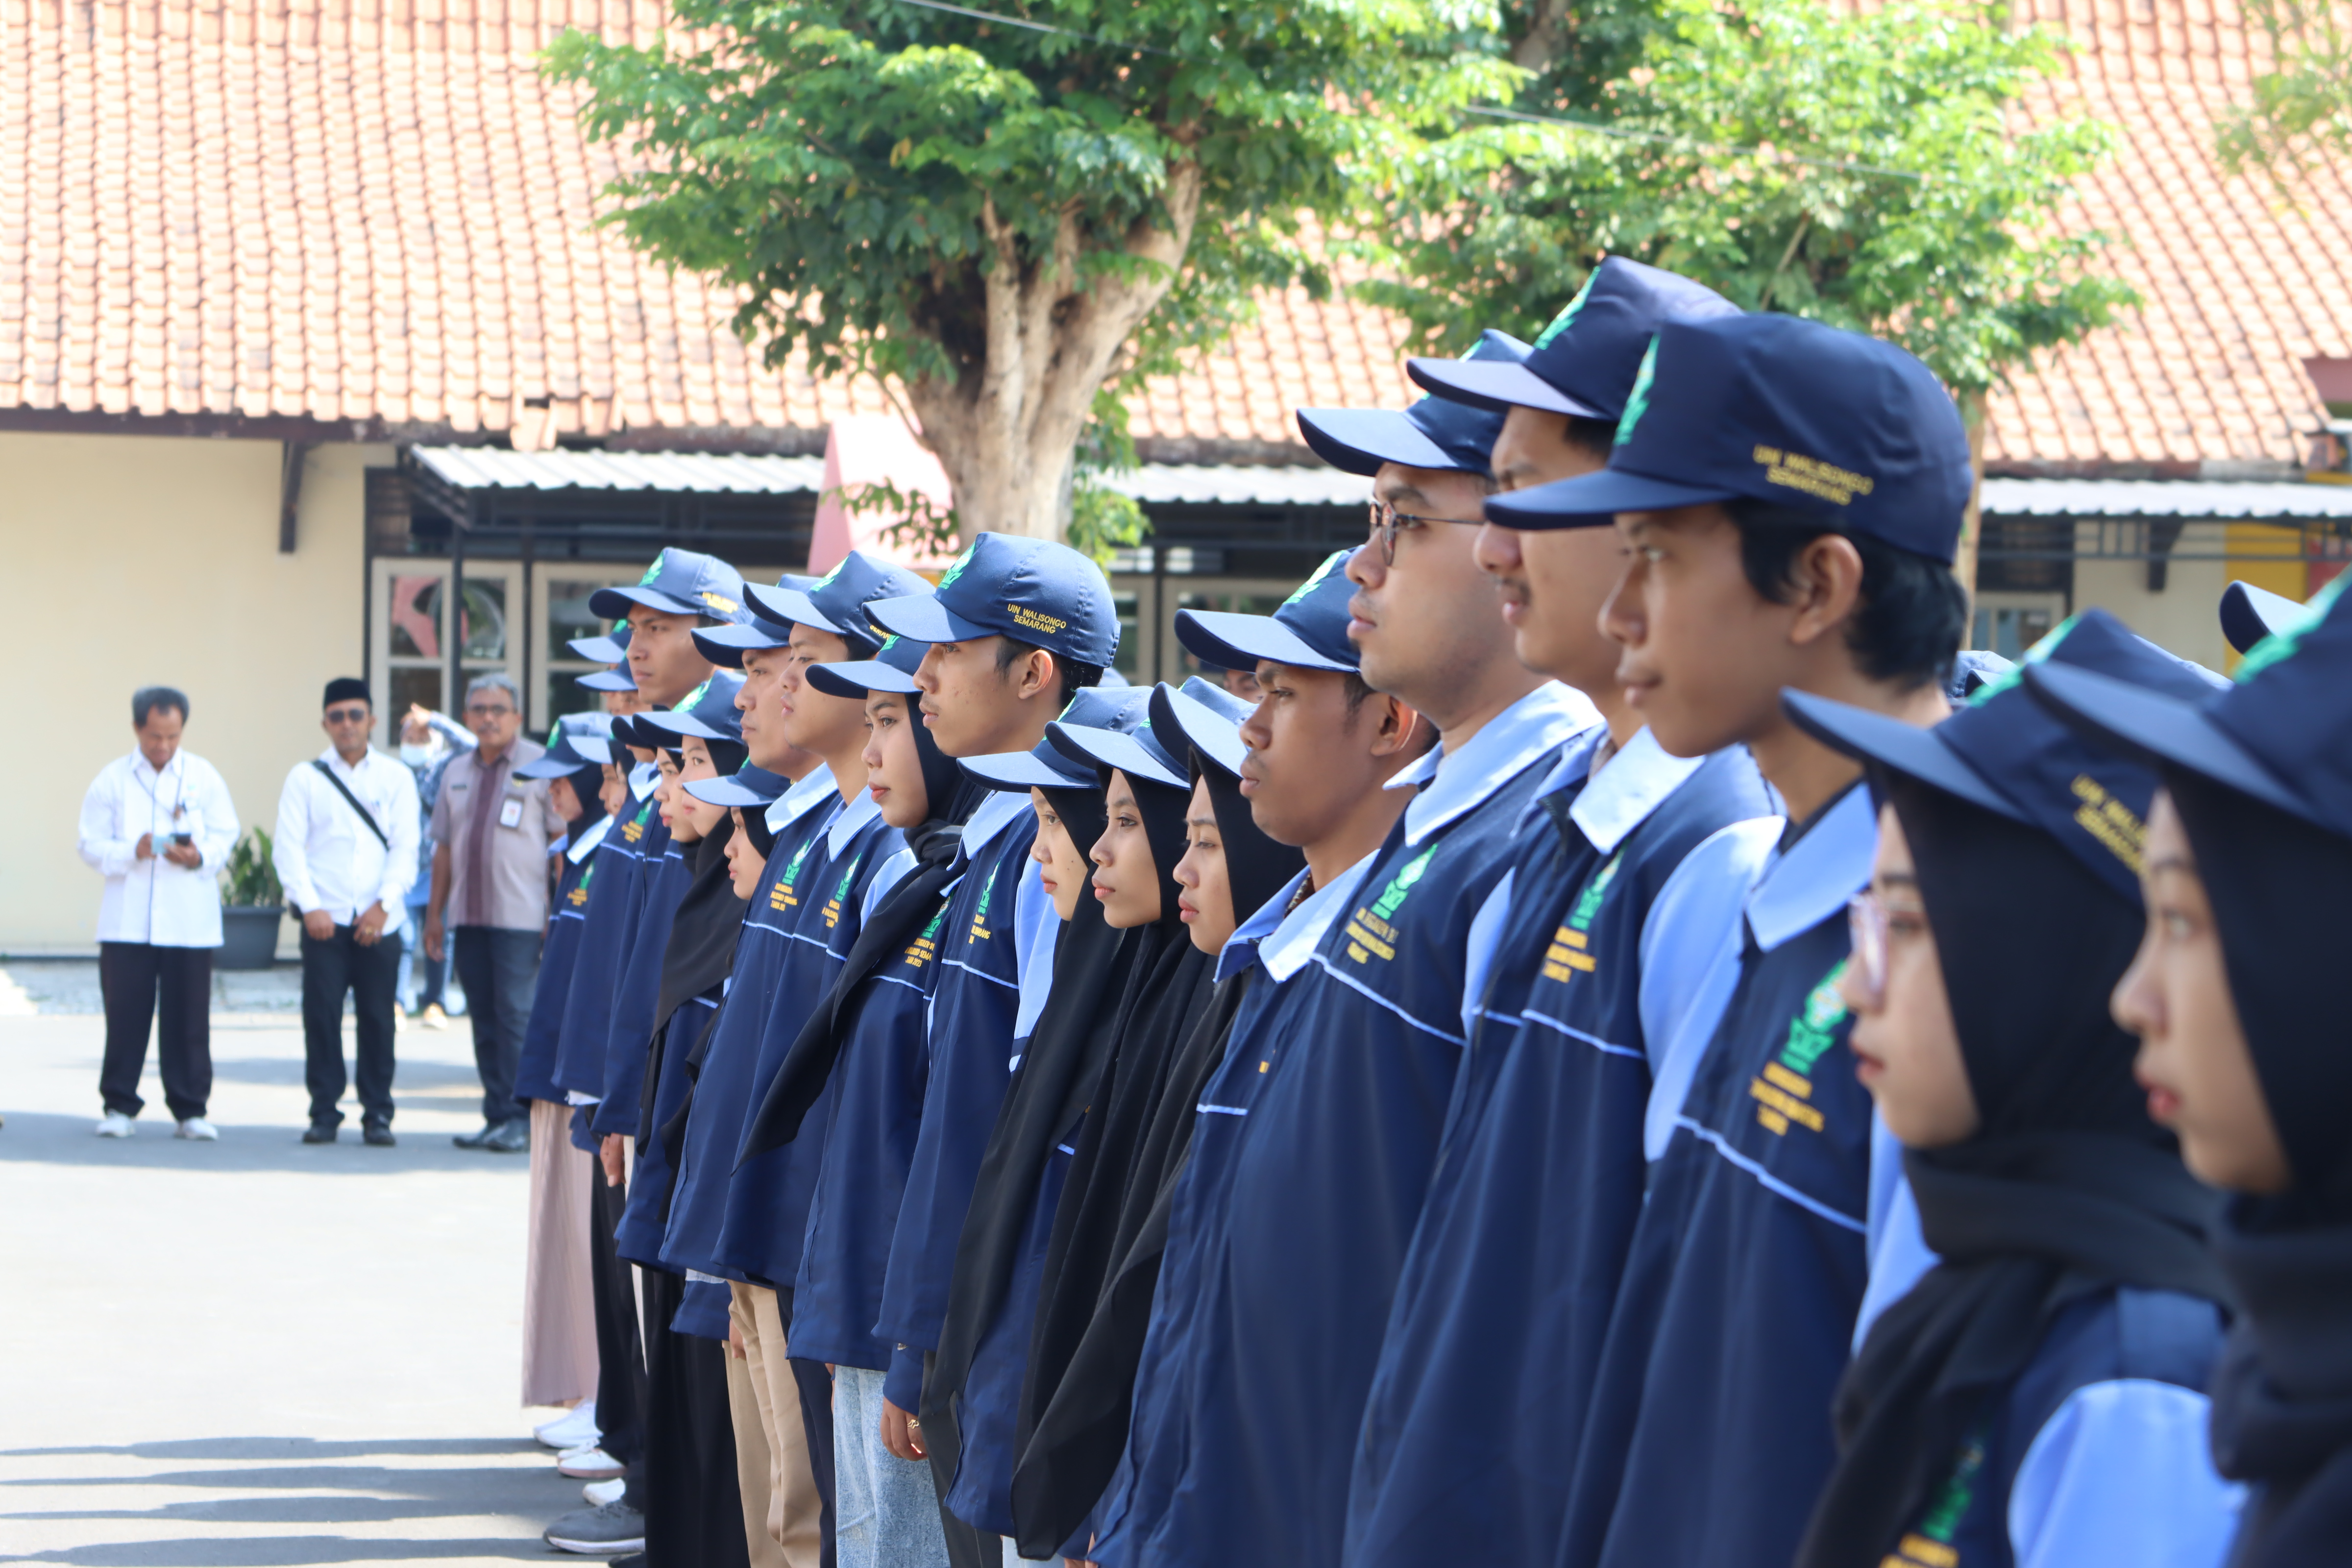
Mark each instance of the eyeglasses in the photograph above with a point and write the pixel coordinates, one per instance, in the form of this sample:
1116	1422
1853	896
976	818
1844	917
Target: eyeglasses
475	711
346	715
1387	519
1865	920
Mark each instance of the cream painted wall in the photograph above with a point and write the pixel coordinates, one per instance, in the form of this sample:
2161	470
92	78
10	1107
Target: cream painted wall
2184	619
149	560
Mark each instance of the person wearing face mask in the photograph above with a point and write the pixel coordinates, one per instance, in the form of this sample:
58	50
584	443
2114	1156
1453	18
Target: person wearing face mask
860	1060
2247	874
1104	958
427	742
2036	1396
1127	1150
559	1353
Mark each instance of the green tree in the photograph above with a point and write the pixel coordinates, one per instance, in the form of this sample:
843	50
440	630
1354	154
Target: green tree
2301	106
1862	169
1010	216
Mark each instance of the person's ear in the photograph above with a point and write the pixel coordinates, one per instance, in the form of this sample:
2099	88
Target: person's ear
1826	578
1397	722
1036	674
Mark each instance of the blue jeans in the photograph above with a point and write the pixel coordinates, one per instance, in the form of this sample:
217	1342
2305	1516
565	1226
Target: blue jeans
886	1510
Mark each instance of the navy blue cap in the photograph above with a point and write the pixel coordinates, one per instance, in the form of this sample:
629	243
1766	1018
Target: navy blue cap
708	712
1775	409
606	647
1309	630
1434	433
747	786
1203	719
2282	735
1047	766
2009	755
1584	363
1033	589
679	583
837	602
1132	748
613	680
1973	669
890	670
2250	614
564	754
725	646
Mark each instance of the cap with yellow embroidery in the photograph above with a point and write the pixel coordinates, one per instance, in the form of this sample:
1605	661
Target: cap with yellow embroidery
679	583
1032	590
2009	755
1848	429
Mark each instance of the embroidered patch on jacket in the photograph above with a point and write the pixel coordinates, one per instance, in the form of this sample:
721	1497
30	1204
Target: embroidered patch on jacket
782	896
925	947
1369	932
1567	956
1785	1087
841	890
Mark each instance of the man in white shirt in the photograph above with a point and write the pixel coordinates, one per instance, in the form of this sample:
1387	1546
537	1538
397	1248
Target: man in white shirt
158	825
346	853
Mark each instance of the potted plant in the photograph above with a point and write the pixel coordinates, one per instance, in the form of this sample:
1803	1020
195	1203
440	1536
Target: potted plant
252	903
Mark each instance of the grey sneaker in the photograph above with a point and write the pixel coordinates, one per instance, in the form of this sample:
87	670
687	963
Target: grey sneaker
605	1532
508	1137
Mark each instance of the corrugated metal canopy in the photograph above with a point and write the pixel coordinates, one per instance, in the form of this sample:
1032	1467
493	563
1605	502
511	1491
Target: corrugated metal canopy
2165	497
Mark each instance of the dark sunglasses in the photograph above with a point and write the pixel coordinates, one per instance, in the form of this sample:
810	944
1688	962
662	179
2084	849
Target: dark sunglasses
346	715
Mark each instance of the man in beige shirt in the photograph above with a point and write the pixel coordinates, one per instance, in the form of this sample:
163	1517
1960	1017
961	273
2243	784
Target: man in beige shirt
493	832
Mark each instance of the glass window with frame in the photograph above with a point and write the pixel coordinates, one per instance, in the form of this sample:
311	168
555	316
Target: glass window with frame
417	661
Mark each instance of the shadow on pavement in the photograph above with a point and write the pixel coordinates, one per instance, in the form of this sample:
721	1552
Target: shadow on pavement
288	1449
260	1551
431	1077
37	1138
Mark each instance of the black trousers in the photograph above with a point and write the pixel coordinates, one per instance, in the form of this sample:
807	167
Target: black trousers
693	1505
620	1353
330	969
969	1546
499	970
131	974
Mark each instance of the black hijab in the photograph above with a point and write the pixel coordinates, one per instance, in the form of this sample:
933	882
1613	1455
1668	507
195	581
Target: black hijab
587	788
949	799
2281	892
1089	1334
709	917
2065	1190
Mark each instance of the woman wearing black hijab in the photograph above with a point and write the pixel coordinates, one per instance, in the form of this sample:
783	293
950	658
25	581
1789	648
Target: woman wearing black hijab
1104	1255
2236	995
2036	1396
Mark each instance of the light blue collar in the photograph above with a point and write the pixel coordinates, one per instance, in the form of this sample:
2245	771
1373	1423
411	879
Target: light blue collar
993	815
1811	880
854	816
642	780
1461	780
807	793
1283	942
1633	784
589	840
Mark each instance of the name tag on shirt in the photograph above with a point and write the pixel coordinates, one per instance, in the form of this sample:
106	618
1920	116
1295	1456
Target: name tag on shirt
511	813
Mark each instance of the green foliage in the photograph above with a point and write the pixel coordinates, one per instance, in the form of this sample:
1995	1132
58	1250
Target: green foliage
250	880
2301	107
1862	169
841	160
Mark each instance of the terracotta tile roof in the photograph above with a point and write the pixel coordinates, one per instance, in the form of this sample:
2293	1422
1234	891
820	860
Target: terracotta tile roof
374	214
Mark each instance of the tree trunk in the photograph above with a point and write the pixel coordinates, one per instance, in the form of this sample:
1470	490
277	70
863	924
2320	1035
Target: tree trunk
1007	430
1964	564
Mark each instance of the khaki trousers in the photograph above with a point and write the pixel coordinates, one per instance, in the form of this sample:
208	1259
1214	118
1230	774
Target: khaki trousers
559	1315
783	1514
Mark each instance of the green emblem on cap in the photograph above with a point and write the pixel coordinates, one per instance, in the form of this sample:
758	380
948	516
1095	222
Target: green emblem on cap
653	571
2284	643
2034	654
553	731
887	643
1331	564
826	581
1638	402
1561	323
685	703
1393	895
962	561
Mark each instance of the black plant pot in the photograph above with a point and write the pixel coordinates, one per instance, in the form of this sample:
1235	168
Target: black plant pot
248	936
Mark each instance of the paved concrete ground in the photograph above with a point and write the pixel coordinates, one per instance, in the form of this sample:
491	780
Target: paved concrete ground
256	1351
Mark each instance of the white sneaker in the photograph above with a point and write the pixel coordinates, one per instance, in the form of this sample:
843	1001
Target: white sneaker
571	1429
599	1493
198	1129
113	1124
587	1464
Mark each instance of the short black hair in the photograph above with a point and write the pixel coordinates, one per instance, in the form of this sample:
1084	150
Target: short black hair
147	698
1913	611
1075	676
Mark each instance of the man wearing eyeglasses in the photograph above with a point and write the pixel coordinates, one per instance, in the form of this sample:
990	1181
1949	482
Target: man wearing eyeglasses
345	852
492	830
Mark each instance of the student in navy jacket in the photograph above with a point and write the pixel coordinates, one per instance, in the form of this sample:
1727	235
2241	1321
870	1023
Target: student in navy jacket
1789	497
1334	1158
1626	884
1017	627
1321	746
2236	996
2037	1397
